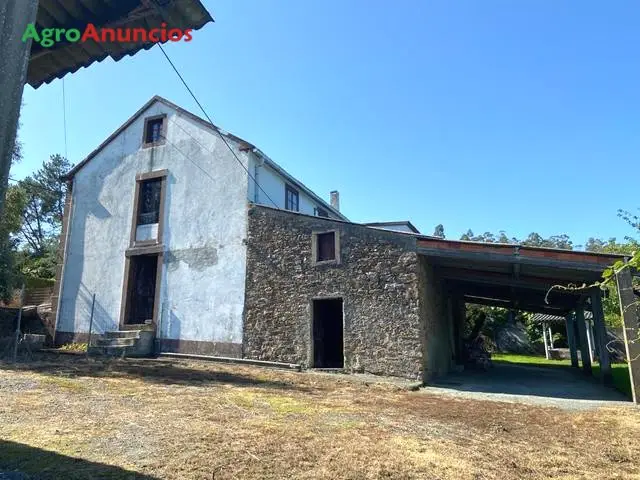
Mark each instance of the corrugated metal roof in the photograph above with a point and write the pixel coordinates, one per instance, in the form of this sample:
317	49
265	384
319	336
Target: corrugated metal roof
549	318
47	64
403	223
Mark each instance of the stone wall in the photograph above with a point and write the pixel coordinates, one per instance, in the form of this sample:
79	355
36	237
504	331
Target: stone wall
377	278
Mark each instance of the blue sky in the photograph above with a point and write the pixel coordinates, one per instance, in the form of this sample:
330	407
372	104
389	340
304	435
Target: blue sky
495	115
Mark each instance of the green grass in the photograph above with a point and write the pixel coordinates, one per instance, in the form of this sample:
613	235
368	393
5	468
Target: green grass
619	371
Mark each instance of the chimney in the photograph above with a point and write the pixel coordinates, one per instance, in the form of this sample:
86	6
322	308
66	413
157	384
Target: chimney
335	200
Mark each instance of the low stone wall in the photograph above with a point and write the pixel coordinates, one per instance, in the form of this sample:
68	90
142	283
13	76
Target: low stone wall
377	278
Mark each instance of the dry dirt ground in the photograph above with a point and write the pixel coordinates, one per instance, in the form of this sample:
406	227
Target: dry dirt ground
72	418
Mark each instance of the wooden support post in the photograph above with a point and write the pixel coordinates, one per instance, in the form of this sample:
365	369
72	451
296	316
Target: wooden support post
631	330
582	335
601	336
551	337
93	305
458	311
544	337
571	340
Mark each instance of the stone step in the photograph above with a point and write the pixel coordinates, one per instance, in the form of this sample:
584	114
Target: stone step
116	342
122	334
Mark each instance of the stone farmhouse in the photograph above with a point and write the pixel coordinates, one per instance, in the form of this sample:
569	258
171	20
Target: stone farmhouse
195	239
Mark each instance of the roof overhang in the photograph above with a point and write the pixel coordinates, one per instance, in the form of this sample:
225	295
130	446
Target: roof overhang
388	225
515	276
47	64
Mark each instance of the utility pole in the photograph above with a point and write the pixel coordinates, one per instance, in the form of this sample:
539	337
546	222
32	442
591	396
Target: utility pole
15	15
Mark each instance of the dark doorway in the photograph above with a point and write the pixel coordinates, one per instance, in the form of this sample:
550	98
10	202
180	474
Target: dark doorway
141	289
328	333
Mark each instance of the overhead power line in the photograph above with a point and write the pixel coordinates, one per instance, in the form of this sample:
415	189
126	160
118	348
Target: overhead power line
175	69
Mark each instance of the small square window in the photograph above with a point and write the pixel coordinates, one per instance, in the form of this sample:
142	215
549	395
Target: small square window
154	130
291	199
326	247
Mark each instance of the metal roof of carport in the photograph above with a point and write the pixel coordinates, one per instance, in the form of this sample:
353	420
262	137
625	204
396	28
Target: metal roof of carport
47	64
514	276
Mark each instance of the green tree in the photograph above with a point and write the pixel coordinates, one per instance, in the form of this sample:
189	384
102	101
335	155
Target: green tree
439	231
533	239
610	303
10	224
467	236
42	216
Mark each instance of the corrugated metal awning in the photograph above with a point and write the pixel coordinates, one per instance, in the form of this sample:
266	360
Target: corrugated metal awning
47	64
549	318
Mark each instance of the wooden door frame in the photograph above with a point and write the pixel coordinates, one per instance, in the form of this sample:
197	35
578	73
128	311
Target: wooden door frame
126	294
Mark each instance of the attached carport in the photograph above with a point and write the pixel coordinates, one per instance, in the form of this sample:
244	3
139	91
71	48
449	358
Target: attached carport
539	280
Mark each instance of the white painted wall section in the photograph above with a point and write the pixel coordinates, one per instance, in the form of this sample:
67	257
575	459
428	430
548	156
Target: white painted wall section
272	190
202	283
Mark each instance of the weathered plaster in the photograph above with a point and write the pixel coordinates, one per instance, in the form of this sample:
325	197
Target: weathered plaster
272	187
202	284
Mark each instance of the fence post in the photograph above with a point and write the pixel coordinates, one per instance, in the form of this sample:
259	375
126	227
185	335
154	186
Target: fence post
16	339
157	342
93	304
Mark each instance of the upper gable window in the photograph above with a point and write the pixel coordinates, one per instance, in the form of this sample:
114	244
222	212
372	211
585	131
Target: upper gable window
154	130
291	199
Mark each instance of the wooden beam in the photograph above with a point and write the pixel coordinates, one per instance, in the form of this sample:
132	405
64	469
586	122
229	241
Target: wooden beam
458	313
497	278
582	335
571	340
525	307
509	294
629	312
601	336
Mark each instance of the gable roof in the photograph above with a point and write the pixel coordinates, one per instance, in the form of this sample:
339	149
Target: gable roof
243	145
402	223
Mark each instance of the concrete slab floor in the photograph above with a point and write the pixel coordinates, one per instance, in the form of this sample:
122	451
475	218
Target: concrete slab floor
556	387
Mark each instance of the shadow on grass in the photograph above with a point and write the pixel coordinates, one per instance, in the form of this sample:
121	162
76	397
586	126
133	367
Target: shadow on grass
160	371
21	461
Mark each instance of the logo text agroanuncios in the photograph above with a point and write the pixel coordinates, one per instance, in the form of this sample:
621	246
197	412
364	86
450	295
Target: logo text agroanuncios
48	37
